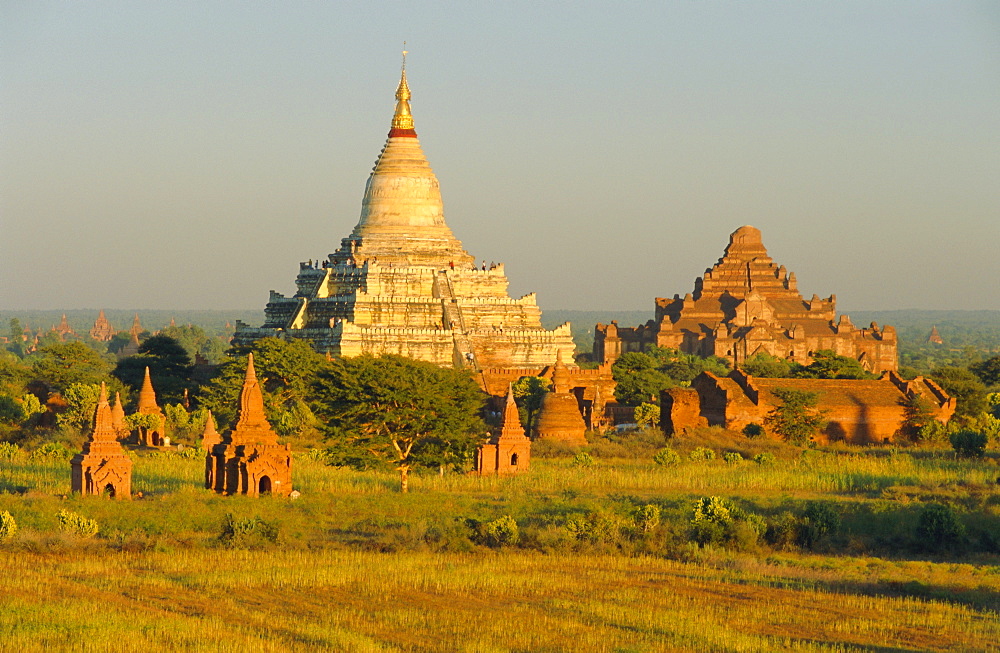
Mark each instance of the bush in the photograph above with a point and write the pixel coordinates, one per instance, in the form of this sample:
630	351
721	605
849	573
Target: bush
969	444
70	522
701	453
939	528
498	533
8	527
764	458
647	415
732	457
9	451
51	451
718	521
819	519
647	517
583	459
753	430
247	533
667	457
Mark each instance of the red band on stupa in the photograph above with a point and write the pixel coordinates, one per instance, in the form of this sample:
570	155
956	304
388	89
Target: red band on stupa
404	133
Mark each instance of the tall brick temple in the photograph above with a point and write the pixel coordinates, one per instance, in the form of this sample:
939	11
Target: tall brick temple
401	282
746	304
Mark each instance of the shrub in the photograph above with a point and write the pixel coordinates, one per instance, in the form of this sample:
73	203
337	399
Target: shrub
647	517
647	414
938	528
969	444
499	532
8	527
819	519
247	533
667	457
764	458
70	522
732	457
702	453
717	521
753	430
583	459
9	451
51	451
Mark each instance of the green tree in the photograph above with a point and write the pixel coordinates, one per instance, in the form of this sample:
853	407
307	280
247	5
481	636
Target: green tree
14	374
988	371
169	368
766	366
964	386
795	419
388	407
641	376
919	412
60	365
285	370
827	364
529	391
647	415
81	402
15	337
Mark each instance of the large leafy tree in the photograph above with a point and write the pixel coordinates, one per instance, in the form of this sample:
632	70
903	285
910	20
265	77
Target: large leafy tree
62	364
169	368
286	371
640	376
796	418
965	386
399	411
988	371
529	391
828	364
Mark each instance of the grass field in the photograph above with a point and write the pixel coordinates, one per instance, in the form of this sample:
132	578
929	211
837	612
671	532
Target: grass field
356	566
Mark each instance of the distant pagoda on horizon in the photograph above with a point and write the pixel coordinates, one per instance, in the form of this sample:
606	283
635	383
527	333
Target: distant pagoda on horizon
401	282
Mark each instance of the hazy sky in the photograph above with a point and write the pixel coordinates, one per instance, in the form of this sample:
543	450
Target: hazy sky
190	154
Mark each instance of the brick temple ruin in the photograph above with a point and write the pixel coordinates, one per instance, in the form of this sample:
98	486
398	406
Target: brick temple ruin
744	305
857	411
509	450
401	283
102	468
249	459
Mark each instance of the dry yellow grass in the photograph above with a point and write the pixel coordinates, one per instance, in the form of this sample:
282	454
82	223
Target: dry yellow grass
356	601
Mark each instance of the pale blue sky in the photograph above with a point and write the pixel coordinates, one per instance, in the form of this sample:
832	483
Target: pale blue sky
189	154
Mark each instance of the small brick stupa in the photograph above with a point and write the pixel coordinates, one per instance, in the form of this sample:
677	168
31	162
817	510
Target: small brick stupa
150	437
559	417
210	437
509	451
249	459
102	468
118	418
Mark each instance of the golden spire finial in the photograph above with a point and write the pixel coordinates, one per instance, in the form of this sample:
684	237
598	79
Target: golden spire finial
403	119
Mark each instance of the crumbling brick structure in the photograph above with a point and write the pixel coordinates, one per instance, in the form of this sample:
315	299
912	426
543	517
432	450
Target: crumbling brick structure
103	467
249	459
857	411
509	450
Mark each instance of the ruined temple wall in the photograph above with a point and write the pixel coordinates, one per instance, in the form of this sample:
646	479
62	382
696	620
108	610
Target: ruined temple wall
680	410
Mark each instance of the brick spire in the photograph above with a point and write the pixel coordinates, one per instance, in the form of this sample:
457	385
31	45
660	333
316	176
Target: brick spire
147	397
512	429
210	437
251	422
